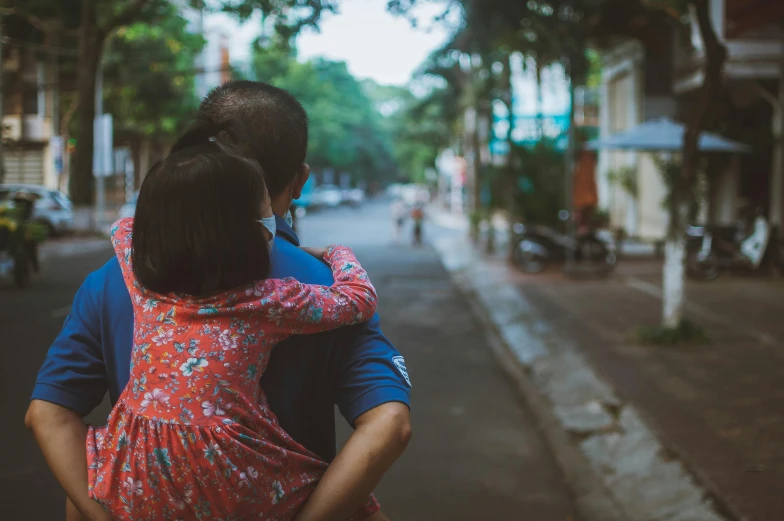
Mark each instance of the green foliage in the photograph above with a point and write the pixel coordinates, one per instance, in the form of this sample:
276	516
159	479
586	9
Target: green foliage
420	129
687	332
625	178
149	70
540	182
347	133
600	217
671	170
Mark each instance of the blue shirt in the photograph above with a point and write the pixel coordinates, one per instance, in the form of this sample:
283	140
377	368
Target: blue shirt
355	367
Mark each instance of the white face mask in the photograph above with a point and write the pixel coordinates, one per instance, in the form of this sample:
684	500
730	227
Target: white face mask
271	226
289	219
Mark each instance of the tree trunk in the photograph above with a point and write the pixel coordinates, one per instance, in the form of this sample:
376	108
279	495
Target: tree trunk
81	182
539	101
511	184
477	145
777	168
675	251
675	264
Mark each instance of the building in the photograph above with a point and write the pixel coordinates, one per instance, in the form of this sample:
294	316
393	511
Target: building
636	86
32	153
753	76
645	80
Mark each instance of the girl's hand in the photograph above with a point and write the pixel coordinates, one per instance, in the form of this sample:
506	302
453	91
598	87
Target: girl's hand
319	253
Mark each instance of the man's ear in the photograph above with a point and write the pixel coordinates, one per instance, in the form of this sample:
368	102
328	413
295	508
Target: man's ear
300	180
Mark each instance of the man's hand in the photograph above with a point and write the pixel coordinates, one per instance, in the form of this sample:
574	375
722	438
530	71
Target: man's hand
61	434
380	437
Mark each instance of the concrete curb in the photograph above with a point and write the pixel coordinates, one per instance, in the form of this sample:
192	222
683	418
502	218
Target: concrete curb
615	465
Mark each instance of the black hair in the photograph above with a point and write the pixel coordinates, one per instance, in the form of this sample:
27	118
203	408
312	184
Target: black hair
277	126
196	229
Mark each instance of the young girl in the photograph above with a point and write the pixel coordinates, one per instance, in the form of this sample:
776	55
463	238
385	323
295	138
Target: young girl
192	436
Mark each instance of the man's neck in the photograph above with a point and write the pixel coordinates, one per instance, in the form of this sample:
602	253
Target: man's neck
280	206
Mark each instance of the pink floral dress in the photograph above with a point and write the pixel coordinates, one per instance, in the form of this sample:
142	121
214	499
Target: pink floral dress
192	437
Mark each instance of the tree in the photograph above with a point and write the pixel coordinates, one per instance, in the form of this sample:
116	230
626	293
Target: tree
346	131
149	77
680	202
98	19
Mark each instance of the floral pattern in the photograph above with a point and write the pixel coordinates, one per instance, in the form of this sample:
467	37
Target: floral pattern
192	436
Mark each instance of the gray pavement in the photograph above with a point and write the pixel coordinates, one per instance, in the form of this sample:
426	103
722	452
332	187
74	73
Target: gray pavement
476	454
29	320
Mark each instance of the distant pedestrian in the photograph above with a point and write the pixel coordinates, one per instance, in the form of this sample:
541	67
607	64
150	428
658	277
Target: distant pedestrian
418	217
399	217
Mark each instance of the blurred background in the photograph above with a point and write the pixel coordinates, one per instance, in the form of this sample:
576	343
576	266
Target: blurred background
572	210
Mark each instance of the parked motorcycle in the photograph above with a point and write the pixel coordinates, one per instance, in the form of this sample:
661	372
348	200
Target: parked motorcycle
711	249
19	237
537	246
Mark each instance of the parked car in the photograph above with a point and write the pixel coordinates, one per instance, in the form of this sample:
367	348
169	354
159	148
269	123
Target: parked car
327	196
51	208
129	208
353	196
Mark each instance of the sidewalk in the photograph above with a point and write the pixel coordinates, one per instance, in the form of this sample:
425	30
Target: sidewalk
691	433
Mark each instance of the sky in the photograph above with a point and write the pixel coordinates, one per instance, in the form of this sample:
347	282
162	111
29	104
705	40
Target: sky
373	43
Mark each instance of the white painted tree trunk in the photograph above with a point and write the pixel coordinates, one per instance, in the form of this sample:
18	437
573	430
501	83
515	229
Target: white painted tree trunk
674	281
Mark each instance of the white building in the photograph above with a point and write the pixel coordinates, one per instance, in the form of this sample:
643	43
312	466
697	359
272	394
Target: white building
30	152
641	82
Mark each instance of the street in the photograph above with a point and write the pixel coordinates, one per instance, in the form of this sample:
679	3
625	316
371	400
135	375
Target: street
475	454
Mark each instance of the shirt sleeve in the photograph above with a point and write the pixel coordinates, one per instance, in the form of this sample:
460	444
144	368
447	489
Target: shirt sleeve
370	372
300	308
73	374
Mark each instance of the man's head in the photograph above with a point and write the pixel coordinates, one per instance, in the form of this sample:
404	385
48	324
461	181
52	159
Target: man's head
277	131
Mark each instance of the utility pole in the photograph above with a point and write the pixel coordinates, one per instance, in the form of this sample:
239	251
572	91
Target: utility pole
56	140
568	183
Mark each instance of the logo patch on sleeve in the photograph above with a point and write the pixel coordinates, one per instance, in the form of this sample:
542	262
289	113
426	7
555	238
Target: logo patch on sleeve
400	363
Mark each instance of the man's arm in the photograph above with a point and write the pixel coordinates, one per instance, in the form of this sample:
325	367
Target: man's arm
60	433
71	382
380	437
372	392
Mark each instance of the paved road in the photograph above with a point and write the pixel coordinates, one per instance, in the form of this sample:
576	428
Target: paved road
29	320
475	454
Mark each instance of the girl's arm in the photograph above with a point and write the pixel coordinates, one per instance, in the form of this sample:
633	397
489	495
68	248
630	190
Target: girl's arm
298	308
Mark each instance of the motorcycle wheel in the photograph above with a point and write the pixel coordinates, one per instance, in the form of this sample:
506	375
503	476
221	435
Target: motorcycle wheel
529	261
610	260
596	252
702	269
778	253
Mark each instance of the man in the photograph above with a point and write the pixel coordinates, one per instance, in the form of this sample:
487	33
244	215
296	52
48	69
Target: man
356	368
